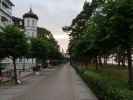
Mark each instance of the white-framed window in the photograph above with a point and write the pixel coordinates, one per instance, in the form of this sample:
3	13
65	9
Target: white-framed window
33	22
28	22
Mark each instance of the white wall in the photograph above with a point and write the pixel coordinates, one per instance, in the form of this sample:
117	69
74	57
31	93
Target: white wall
30	25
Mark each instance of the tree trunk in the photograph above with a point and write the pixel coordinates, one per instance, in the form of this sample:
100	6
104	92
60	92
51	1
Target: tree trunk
112	61
70	61
119	62
15	71
123	62
0	72
96	61
24	64
100	60
105	60
130	69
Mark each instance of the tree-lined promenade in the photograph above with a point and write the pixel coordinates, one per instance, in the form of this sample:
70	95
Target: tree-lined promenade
101	32
14	45
104	30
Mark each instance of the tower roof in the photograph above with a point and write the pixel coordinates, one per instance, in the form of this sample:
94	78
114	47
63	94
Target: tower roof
30	14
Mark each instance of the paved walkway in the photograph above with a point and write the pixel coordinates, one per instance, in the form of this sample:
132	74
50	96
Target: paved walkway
60	84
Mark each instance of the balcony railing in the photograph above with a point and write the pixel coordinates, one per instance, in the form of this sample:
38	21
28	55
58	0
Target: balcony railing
7	8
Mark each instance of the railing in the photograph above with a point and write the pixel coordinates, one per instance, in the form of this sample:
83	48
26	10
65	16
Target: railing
8	72
20	66
7	10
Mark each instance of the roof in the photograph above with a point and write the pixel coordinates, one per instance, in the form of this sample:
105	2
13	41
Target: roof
18	21
16	18
30	14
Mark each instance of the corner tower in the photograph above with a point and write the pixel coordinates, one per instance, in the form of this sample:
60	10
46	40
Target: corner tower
30	24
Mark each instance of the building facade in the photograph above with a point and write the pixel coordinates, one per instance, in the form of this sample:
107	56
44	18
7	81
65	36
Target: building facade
5	12
29	25
6	19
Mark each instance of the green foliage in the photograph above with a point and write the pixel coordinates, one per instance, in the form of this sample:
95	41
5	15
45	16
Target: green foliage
39	49
103	28
45	48
105	87
44	33
53	51
13	42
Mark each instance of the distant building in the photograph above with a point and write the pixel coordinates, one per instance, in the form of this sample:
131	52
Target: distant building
6	19
5	12
18	22
28	23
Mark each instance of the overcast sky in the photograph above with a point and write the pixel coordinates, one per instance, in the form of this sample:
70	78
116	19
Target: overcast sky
53	14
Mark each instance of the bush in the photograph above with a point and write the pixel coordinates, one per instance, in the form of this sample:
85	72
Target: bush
104	87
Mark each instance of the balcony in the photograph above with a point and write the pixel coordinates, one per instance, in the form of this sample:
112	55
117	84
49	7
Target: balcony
4	21
6	7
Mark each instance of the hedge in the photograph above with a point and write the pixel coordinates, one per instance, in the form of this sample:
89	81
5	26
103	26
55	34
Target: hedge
104	87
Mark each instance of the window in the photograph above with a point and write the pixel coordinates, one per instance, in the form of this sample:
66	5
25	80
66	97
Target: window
28	22
4	4
20	23
33	34
33	22
4	19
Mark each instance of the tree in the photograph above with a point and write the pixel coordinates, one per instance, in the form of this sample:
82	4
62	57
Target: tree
78	28
119	14
102	29
2	56
14	44
2	52
39	49
52	45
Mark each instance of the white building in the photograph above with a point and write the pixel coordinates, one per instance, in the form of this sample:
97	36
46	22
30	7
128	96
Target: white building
5	12
29	25
6	19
